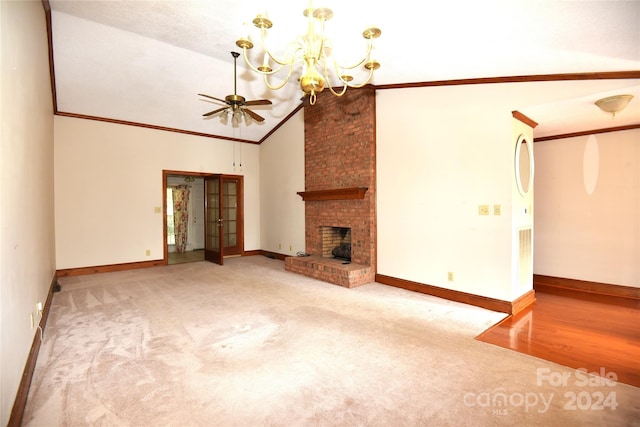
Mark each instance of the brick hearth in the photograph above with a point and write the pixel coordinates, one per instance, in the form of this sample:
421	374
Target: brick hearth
330	270
340	165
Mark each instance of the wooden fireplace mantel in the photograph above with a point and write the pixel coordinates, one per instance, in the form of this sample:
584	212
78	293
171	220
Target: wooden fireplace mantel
334	194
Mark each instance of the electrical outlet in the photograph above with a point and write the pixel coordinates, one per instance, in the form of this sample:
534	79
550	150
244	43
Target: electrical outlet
148	252
450	276
157	209
290	248
279	245
483	209
497	210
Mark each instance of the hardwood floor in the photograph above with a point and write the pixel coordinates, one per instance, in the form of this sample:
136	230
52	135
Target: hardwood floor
576	329
190	256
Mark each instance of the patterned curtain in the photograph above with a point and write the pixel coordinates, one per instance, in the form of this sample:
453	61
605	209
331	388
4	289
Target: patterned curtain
181	215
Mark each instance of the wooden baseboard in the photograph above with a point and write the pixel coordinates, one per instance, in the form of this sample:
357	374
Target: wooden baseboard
108	268
523	302
17	411
549	282
509	307
253	252
274	255
144	264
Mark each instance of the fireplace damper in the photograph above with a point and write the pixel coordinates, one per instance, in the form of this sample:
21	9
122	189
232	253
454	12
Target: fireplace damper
336	242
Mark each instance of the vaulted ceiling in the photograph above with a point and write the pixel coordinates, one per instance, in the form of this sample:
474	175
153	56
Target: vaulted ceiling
145	62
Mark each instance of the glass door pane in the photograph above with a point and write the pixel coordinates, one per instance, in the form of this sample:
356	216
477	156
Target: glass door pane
212	247
230	215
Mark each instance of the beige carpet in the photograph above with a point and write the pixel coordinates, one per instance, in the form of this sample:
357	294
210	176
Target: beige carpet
249	344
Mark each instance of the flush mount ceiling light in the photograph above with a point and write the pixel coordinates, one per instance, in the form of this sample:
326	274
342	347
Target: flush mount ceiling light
613	104
313	52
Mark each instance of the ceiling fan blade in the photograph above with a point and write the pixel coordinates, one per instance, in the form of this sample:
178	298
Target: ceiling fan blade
213	97
211	113
253	115
258	102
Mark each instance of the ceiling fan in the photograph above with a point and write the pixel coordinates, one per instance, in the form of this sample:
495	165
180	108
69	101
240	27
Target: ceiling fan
236	104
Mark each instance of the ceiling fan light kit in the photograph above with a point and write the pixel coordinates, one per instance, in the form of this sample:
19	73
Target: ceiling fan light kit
236	104
312	51
614	104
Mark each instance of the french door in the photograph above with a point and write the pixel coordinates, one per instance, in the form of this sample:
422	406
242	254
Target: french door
224	217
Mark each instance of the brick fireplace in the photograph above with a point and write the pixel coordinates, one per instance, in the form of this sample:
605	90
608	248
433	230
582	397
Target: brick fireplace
340	186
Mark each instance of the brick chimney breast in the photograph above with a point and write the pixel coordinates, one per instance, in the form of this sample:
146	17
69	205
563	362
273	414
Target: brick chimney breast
340	152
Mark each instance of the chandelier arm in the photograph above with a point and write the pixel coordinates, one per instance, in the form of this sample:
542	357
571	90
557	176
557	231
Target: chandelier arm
338	71
284	82
354	85
344	82
246	59
274	70
289	60
342	92
326	76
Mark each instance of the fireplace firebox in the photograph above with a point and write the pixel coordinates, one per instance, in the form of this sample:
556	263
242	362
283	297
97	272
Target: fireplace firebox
336	242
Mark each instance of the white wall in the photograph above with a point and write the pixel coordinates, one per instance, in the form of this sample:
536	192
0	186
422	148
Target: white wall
438	159
281	177
27	252
587	212
440	156
444	152
108	182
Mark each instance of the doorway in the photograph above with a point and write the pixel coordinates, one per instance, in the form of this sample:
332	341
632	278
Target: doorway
188	192
205	220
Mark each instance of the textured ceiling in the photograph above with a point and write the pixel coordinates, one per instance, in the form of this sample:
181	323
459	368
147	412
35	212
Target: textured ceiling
146	61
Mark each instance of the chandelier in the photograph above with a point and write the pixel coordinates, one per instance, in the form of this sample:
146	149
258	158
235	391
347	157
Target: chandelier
313	51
